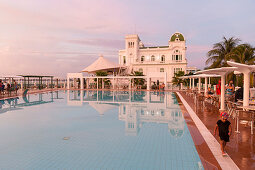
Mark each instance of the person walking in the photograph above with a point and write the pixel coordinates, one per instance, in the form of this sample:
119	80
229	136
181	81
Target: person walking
224	128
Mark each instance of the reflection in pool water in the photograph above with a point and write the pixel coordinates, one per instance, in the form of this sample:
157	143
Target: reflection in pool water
105	130
135	108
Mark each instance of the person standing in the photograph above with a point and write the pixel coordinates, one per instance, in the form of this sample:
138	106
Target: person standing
230	91
218	88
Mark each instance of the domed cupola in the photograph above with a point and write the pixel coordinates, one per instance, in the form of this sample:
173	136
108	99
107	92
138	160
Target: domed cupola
177	37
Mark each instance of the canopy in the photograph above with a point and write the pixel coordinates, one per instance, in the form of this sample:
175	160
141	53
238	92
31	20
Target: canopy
200	76
101	64
218	71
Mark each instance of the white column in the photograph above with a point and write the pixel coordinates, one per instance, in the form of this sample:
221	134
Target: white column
82	83
222	93
165	80
148	83
68	83
193	83
205	85
129	86
74	80
209	80
102	84
181	86
21	85
97	83
199	85
246	88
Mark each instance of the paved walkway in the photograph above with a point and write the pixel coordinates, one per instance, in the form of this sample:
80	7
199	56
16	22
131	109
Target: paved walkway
241	145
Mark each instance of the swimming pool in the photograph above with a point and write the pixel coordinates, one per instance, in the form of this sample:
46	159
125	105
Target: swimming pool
95	130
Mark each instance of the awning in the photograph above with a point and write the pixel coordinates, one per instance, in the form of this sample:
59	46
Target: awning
101	64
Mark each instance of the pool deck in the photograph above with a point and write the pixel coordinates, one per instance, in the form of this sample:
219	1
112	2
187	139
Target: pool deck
241	146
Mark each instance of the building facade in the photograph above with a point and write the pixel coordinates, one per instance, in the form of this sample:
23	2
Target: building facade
169	59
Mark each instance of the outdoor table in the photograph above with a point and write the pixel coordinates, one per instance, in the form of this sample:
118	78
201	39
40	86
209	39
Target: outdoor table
249	108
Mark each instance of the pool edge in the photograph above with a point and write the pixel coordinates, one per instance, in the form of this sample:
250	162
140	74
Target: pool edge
212	143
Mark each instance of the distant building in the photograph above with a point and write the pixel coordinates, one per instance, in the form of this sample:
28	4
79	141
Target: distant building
191	70
170	58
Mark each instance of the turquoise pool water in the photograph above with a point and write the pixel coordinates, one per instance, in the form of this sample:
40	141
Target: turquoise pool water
95	130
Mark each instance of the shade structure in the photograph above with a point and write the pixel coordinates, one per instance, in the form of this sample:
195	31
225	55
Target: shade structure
218	71
222	72
101	64
246	70
199	76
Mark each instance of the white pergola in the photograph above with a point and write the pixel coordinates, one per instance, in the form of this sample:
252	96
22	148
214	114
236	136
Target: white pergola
222	73
114	79
199	76
246	70
237	68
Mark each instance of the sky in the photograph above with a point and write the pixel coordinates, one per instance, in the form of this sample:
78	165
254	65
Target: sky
54	37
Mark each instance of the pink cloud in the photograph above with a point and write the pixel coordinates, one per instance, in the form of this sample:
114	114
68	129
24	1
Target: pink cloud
110	43
198	48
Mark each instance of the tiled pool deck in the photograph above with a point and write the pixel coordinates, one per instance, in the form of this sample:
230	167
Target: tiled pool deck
241	145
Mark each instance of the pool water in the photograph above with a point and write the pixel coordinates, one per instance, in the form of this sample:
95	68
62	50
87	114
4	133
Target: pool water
95	130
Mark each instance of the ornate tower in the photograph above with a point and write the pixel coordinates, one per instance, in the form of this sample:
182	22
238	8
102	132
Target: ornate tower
132	47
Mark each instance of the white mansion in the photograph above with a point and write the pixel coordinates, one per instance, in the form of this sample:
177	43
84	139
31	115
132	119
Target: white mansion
169	59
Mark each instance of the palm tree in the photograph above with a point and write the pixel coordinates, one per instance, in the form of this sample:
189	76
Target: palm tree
176	79
138	81
100	81
243	53
217	56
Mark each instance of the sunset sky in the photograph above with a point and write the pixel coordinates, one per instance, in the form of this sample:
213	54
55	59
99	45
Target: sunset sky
53	37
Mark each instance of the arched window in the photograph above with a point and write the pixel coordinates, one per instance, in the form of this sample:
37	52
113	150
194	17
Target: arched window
124	59
153	58
142	59
177	56
140	70
163	59
162	69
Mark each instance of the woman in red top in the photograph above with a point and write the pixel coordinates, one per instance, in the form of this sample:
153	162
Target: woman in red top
218	88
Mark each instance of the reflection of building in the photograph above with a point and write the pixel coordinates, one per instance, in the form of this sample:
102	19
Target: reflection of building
135	108
134	116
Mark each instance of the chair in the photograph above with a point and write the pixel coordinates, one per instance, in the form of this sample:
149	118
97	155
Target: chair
25	92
